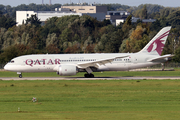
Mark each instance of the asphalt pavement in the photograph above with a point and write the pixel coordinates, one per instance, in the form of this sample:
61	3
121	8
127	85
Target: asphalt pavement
96	78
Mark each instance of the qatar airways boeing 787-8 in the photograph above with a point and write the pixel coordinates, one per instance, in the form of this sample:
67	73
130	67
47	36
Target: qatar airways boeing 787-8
71	64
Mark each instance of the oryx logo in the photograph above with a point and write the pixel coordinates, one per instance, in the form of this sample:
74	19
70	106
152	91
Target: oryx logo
158	44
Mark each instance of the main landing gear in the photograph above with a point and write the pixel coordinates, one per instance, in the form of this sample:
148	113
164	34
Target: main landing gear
88	75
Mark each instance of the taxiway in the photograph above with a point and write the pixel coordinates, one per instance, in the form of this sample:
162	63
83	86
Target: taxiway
96	78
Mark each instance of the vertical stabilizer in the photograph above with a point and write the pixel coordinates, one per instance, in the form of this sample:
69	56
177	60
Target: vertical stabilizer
156	45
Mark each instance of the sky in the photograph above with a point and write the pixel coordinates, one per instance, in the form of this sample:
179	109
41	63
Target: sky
165	3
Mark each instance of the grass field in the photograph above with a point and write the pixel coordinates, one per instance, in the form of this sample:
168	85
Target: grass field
97	74
90	100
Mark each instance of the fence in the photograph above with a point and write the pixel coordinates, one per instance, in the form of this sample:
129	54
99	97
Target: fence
167	65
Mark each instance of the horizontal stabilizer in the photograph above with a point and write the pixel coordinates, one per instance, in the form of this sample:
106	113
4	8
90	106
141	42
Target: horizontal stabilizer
160	58
97	63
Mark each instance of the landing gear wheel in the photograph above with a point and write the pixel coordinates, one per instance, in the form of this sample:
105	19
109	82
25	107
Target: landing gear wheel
20	75
86	75
89	75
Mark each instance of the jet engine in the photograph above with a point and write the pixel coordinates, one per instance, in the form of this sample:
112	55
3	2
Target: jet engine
67	70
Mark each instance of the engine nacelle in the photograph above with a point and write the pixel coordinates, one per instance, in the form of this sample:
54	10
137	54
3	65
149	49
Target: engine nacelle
66	70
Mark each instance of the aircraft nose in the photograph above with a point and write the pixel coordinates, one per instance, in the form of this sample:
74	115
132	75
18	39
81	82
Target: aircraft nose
10	67
6	67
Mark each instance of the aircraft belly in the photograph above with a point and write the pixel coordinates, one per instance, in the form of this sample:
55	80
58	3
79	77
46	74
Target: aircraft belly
47	68
124	66
113	67
141	65
38	68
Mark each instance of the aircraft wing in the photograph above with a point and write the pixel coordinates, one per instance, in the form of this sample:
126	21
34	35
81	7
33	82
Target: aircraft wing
98	63
160	58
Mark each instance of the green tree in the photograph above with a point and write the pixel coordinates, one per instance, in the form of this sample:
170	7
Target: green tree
33	20
52	39
6	21
8	39
176	58
144	13
88	45
25	39
50	27
136	41
52	49
127	26
2	32
100	47
65	35
173	19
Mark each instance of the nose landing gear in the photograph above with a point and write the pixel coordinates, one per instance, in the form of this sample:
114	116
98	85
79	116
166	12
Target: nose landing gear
20	74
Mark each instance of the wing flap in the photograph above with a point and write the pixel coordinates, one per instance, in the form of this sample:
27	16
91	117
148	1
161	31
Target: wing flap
160	58
98	63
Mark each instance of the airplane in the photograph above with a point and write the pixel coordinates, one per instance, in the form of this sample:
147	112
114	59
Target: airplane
71	64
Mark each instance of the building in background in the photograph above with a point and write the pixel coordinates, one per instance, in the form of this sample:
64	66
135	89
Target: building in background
116	17
42	15
87	9
98	12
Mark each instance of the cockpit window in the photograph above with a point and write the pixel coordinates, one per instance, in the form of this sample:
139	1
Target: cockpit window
12	61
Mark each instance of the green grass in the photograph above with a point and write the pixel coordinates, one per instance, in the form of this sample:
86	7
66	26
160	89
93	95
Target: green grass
101	99
97	74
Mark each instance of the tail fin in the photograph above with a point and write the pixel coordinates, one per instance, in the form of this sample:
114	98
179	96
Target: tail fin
156	45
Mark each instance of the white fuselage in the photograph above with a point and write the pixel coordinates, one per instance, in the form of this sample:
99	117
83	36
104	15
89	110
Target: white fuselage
50	62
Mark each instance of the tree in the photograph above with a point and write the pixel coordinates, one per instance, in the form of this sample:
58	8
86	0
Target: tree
173	19
103	41
88	45
8	39
12	51
52	39
1	13
176	58
33	20
136	41
50	27
52	49
6	21
127	26
106	22
128	20
2	32
65	35
144	13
